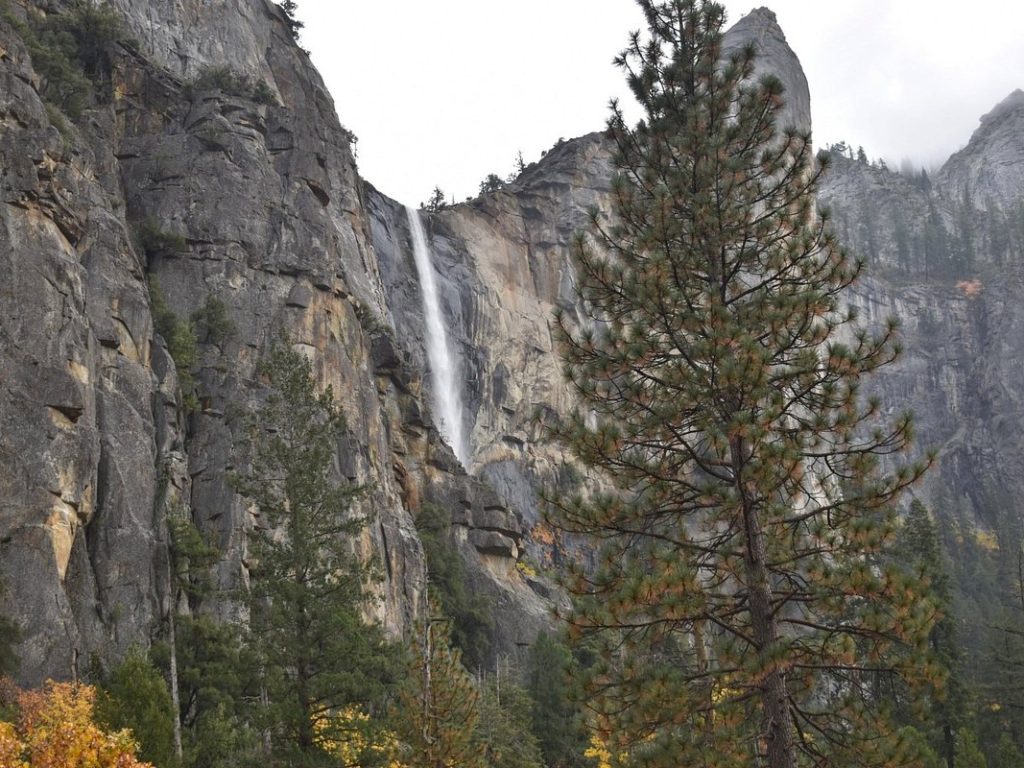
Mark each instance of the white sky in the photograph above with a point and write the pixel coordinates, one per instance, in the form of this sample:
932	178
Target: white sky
446	91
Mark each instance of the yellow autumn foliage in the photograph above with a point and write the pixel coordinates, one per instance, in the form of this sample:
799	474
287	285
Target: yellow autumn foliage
598	751
55	729
350	735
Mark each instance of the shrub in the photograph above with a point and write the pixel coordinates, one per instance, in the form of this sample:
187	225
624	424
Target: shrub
180	338
10	636
56	727
224	78
212	323
492	183
156	241
70	52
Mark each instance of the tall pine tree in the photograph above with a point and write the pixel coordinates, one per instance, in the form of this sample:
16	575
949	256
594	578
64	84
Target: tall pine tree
437	711
740	605
918	549
316	654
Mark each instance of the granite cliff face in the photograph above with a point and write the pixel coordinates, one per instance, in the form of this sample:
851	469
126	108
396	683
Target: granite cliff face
261	208
504	265
258	207
945	257
102	449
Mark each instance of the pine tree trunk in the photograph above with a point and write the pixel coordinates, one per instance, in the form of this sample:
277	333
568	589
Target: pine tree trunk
172	639
776	716
172	636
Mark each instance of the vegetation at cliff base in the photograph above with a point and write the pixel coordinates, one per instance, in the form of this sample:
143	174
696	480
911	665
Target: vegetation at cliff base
437	710
56	726
472	623
10	634
134	697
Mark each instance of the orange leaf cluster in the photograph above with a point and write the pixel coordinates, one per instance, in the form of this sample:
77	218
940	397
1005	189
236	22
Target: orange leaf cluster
55	729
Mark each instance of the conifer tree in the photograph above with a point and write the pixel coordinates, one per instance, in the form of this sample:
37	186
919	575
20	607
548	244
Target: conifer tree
504	736
918	548
554	713
437	711
134	696
207	658
290	7
740	604
316	654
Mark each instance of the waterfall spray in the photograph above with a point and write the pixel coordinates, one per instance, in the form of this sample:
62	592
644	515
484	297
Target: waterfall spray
447	389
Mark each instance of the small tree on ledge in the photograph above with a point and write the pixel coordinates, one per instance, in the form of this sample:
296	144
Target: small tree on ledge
294	25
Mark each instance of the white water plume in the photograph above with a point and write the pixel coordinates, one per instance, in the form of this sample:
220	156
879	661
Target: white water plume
447	389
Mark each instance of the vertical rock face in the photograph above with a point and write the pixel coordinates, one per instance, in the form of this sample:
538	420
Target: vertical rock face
260	208
760	29
505	267
988	171
945	256
77	431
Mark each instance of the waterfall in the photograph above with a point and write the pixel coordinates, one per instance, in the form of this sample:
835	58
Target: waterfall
447	389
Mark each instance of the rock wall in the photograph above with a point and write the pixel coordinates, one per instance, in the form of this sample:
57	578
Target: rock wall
258	207
78	366
945	256
261	208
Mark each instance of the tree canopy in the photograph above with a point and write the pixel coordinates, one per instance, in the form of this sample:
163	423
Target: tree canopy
741	606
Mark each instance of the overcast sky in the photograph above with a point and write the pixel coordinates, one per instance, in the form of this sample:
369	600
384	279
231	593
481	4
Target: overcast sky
445	92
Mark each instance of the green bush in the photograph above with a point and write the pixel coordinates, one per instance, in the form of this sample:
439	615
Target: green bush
180	338
223	78
135	696
156	241
10	635
70	52
212	323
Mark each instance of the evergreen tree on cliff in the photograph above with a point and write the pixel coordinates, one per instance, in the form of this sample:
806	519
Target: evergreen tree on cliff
741	606
290	9
316	655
